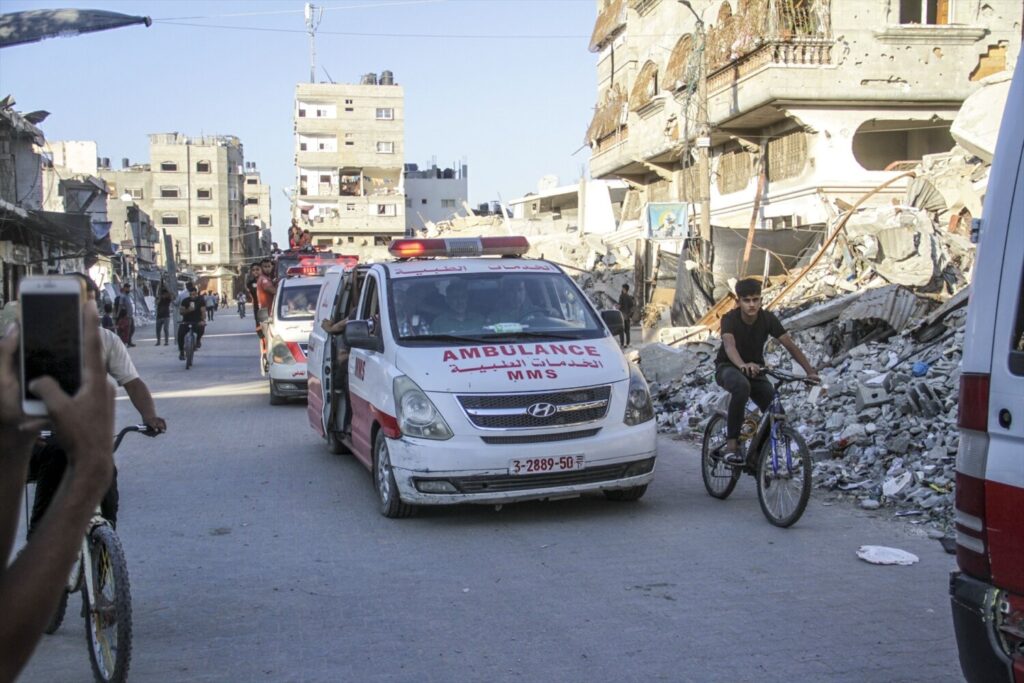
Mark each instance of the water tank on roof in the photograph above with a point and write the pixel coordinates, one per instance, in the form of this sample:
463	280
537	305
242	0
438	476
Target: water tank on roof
106	162
387	78
368	79
124	162
448	174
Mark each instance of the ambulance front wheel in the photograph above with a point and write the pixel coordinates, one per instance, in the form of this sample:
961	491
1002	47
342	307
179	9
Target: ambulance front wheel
391	504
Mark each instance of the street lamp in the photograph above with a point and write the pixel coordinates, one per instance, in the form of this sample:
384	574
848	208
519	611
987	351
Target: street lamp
704	127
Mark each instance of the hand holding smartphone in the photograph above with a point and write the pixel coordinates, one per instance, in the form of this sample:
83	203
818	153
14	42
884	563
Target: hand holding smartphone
51	335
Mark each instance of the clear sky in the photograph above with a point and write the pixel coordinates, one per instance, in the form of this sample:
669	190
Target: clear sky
507	85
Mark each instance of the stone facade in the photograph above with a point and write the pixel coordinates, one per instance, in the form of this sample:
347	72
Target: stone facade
813	101
349	151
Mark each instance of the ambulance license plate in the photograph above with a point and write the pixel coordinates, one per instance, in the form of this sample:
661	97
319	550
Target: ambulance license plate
561	463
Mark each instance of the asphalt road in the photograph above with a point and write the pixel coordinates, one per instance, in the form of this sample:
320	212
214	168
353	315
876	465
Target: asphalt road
257	556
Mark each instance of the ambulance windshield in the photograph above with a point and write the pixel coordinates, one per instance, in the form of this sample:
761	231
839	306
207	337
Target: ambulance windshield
482	306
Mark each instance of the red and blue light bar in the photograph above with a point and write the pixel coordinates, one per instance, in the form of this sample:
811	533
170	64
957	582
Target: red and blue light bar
516	245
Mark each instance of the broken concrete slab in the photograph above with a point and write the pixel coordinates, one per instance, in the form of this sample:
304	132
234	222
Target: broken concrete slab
976	126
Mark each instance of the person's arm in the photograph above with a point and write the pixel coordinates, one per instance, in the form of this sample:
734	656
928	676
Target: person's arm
268	286
30	587
798	356
138	394
335	327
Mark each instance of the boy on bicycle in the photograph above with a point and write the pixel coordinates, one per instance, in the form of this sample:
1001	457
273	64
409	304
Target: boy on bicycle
745	330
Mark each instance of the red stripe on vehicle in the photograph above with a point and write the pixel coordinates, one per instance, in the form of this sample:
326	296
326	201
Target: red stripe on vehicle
296	350
388	423
1004	524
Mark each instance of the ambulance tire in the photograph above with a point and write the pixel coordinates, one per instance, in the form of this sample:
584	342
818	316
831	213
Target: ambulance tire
391	505
626	495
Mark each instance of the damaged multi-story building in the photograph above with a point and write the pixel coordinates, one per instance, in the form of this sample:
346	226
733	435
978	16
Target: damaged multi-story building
801	106
349	152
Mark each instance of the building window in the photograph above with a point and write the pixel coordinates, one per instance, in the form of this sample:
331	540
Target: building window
251	181
204	247
252	200
302	113
934	12
202	167
349	109
169	219
447	203
135	192
408	202
204	193
204	221
302	146
385	114
169	192
351	239
168	166
348	101
385	148
349	143
423	201
350	207
387	210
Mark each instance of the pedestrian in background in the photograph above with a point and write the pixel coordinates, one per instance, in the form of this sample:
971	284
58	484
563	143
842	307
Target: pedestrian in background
107	321
124	302
163	315
627	304
123	326
211	304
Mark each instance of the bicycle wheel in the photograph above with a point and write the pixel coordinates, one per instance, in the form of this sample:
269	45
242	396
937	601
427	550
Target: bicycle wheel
784	488
190	349
719	479
108	610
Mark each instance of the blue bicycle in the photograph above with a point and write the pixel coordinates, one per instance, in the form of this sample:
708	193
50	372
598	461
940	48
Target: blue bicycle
774	454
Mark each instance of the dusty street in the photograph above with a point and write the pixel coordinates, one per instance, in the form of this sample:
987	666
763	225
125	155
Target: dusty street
257	556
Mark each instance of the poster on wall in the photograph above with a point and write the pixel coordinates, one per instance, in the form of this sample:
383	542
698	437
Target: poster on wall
667	220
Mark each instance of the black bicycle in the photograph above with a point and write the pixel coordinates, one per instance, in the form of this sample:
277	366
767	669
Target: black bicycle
101	574
774	454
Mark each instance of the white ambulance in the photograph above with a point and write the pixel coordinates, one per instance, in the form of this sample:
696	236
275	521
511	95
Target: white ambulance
987	591
477	376
288	328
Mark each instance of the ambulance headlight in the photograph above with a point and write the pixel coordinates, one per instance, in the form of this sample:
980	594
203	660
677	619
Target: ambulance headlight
638	404
417	415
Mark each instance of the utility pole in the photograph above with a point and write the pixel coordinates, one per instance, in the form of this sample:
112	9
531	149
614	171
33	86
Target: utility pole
312	23
703	128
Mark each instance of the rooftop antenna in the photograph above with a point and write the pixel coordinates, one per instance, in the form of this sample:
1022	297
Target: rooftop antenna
313	15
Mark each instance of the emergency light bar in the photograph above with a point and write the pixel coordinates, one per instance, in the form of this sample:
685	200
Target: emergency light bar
460	246
318	265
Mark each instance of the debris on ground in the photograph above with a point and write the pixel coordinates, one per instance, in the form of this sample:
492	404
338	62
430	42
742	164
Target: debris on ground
880	554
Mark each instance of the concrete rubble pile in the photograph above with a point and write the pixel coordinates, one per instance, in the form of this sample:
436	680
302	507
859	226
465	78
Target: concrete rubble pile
882	427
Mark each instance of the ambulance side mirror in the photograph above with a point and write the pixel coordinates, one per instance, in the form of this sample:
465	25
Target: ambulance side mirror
613	319
358	335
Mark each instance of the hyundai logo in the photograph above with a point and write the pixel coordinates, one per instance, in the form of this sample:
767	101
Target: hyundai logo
541	410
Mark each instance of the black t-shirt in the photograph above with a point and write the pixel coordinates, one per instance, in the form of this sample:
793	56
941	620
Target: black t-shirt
195	315
163	307
750	339
626	304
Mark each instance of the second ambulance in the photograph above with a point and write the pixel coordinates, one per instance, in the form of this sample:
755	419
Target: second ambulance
475	375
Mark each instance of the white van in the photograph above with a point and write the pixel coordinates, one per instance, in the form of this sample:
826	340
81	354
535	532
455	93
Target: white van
478	376
288	328
987	592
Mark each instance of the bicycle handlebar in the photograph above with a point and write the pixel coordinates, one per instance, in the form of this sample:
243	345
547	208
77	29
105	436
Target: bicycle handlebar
788	377
143	428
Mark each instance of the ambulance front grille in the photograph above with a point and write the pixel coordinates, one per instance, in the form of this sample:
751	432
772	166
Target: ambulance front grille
537	410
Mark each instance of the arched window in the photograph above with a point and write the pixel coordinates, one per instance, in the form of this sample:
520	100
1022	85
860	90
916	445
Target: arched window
645	87
679	67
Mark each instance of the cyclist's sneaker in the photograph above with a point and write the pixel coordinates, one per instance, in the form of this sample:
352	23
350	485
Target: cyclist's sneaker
734	458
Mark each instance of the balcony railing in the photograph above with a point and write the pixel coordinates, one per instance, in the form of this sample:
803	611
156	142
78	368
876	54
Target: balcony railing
802	51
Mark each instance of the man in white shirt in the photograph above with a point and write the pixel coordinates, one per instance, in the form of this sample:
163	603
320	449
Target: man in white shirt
49	461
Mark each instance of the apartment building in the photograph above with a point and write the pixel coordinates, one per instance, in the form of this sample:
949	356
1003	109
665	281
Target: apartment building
810	103
193	188
349	150
256	212
433	194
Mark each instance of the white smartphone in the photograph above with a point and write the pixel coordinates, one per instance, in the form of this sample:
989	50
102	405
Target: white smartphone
50	309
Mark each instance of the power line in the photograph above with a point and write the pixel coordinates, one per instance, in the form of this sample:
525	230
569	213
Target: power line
478	36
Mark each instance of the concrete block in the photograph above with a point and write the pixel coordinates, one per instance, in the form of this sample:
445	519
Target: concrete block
868	396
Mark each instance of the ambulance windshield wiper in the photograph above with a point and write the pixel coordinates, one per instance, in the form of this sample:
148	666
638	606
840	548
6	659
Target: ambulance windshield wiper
525	334
443	337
